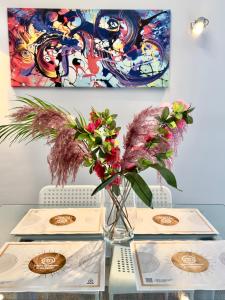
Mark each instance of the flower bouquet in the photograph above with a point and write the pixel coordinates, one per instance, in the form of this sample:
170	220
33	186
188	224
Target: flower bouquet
151	142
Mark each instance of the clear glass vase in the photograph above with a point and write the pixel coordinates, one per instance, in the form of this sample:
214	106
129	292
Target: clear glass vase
120	214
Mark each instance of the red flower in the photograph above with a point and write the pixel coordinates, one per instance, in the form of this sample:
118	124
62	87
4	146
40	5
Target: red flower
116	165
97	123
113	156
181	124
99	170
90	127
129	166
149	137
168	135
117	181
93	125
110	140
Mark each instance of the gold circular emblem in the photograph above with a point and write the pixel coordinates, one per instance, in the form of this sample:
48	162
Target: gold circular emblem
166	220
190	262
47	263
62	220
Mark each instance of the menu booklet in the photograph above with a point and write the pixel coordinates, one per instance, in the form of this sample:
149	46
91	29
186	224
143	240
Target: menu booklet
54	221
170	221
52	267
179	265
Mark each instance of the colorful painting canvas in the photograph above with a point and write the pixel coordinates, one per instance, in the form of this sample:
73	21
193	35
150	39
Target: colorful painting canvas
89	48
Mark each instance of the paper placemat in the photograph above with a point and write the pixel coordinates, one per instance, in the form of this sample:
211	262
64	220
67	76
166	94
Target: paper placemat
179	265
61	221
52	266
172	221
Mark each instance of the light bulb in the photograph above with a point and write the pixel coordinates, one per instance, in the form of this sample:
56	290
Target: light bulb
198	26
183	296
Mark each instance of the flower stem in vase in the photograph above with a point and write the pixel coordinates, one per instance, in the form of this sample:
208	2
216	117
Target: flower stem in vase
118	228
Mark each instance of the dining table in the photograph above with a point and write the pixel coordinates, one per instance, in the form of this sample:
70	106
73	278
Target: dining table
11	214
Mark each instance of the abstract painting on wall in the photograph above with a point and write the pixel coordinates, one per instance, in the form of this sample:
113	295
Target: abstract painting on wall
89	48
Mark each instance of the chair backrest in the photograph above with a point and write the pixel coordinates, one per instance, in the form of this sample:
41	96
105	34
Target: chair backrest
70	195
162	197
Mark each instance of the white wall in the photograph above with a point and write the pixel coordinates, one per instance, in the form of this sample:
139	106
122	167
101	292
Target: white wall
197	75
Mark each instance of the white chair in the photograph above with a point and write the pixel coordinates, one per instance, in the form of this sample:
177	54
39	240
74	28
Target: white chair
70	195
212	295
121	278
162	197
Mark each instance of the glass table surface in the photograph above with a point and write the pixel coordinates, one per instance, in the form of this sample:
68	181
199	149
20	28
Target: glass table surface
11	214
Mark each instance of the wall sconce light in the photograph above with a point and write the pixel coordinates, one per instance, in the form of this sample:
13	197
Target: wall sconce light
199	25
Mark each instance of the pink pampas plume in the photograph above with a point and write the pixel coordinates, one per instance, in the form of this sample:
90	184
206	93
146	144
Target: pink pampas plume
43	120
146	126
47	120
22	113
143	127
66	156
144	123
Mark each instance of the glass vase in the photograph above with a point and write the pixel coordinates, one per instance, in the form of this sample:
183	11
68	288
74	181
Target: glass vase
120	213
